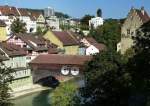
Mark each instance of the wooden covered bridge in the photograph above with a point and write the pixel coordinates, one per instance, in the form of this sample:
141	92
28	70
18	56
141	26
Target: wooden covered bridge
58	66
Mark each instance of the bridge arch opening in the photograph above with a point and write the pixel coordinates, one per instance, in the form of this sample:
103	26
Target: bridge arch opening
49	81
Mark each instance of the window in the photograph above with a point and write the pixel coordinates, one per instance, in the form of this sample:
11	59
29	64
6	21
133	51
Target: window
24	45
31	29
128	31
132	33
30	51
28	58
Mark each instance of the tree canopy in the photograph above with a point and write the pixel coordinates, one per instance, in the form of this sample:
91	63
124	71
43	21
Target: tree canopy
64	94
85	19
139	64
109	33
106	80
112	80
5	79
18	26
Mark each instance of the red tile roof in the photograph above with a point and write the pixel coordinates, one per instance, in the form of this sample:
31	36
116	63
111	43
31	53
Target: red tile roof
29	38
65	38
144	17
99	46
12	50
61	59
90	39
23	12
52	50
9	10
93	42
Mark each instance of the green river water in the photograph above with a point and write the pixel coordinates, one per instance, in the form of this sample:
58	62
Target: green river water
41	98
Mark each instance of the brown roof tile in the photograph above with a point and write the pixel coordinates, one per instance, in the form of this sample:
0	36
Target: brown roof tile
61	59
99	46
93	42
37	39
9	10
90	39
23	12
144	17
12	50
65	38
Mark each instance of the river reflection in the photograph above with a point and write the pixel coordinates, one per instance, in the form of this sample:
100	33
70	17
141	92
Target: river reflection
42	99
39	98
36	99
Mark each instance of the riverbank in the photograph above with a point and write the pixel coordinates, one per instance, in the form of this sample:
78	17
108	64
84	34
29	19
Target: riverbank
27	91
32	88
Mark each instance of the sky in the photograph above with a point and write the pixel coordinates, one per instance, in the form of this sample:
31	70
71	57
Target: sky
78	8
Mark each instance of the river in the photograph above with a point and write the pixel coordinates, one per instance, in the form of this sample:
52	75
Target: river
41	98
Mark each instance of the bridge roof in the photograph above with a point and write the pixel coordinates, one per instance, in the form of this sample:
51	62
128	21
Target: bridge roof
61	59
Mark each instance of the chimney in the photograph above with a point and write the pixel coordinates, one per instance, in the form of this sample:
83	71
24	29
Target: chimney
142	10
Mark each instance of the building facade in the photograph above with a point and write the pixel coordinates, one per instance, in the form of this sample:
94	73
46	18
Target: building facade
65	42
53	23
135	18
3	34
92	46
16	60
48	12
33	45
9	13
95	22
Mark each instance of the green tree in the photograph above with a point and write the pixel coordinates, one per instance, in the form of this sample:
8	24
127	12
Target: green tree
99	13
5	79
85	19
106	81
129	53
64	94
18	26
139	65
109	33
39	31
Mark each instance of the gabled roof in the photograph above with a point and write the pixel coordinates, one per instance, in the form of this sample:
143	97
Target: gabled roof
2	23
91	40
9	10
12	50
23	12
61	59
29	39
65	38
99	46
143	16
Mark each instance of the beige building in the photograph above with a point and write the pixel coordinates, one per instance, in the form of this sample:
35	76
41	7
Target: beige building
135	18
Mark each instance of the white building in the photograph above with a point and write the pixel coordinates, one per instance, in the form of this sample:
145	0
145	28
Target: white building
95	22
8	14
48	12
53	23
8	21
26	17
93	47
91	50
